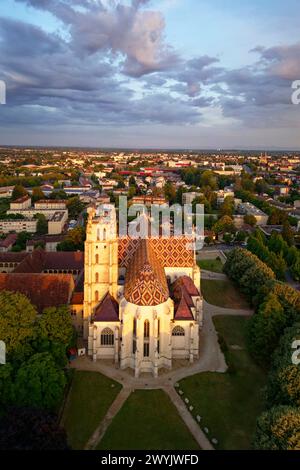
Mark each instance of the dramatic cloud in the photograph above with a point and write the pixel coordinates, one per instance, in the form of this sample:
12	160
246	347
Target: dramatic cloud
109	64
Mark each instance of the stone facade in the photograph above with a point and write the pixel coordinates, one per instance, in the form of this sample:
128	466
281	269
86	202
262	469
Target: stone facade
142	302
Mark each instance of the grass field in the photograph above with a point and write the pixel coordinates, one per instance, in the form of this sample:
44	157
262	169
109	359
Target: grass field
89	398
229	403
223	294
214	265
148	421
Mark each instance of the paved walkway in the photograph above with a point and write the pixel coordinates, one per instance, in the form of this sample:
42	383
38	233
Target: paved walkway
111	413
211	359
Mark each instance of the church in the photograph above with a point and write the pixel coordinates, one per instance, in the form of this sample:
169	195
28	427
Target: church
134	302
142	304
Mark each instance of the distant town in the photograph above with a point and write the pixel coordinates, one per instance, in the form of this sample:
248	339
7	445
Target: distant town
102	335
44	192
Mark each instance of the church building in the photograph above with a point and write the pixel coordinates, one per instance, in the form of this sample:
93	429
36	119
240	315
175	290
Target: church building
142	304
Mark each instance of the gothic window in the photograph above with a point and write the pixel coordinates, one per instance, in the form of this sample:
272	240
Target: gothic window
146	350
133	346
97	277
107	337
97	259
104	234
96	296
146	329
178	331
134	326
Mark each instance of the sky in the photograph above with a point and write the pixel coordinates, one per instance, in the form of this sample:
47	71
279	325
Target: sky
190	74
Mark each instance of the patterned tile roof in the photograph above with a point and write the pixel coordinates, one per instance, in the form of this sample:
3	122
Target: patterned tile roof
107	310
170	252
145	280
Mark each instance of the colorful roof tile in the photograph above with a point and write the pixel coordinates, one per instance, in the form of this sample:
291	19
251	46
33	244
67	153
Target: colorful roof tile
145	280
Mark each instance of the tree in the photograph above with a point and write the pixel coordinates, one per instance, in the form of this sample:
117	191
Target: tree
250	219
295	269
75	207
40	383
6	386
287	233
265	328
17	317
55	324
132	181
74	240
228	237
241	236
61	194
284	379
42	224
31	429
278	429
225	224
208	178
22	238
18	191
227	208
37	194
170	192
277	264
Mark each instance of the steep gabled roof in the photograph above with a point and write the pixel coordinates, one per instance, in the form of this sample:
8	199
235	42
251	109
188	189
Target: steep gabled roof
43	290
182	291
145	280
107	310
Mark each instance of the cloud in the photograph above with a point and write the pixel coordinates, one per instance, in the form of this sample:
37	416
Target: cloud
110	64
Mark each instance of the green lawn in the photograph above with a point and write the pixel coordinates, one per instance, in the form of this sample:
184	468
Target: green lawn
89	398
148	421
229	403
223	294
214	265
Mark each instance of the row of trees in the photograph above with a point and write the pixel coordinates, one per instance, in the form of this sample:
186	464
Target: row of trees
277	252
270	334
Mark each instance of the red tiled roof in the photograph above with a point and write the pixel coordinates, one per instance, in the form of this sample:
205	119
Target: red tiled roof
12	257
39	261
65	260
77	298
21	199
107	310
182	291
145	280
187	282
183	311
8	241
43	290
32	263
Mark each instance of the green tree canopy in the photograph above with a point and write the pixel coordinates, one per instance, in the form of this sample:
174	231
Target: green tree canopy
40	383
278	429
284	379
18	191
55	324
265	328
37	194
17	317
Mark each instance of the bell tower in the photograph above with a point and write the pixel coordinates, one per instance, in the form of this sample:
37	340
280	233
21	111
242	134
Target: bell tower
100	259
